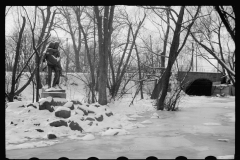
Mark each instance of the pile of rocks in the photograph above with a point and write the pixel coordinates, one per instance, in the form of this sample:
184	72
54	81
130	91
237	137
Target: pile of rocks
70	113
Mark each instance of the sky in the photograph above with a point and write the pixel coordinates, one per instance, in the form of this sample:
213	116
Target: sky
203	65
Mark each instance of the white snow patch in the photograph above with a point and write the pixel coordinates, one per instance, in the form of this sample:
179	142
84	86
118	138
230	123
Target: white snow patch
146	122
113	132
231	116
212	124
155	116
135	116
88	137
226	157
32	144
139	125
62	108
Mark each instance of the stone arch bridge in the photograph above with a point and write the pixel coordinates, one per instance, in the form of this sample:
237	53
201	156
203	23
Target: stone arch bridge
192	77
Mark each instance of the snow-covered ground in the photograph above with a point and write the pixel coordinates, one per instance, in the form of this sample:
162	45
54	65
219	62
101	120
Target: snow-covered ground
203	126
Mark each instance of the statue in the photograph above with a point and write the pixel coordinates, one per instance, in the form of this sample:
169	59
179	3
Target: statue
52	56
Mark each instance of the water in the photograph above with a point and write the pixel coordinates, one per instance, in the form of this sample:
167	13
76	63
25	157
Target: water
180	133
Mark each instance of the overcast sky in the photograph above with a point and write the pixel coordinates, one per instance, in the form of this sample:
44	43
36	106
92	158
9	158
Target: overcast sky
152	30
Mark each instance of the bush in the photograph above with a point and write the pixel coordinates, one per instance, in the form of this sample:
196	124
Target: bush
174	94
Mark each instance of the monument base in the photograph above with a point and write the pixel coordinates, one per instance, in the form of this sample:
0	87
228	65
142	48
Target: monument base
55	93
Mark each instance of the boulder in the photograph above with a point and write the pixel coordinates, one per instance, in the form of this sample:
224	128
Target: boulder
58	123
99	118
76	102
46	104
96	105
90	111
51	136
82	109
109	114
63	112
59	101
40	130
75	126
90	123
90	119
34	105
85	110
69	105
79	112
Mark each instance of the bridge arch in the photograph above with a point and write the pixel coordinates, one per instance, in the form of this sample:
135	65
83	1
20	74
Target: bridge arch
199	87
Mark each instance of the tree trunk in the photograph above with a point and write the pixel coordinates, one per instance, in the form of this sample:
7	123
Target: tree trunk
39	52
67	59
139	71
157	87
104	42
172	57
12	92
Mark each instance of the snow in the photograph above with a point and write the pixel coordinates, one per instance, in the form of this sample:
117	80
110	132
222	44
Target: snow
223	140
63	108
136	120
155	116
113	132
88	137
230	116
32	145
212	124
146	122
225	157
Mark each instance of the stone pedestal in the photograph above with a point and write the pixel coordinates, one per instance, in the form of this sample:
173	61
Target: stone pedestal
55	93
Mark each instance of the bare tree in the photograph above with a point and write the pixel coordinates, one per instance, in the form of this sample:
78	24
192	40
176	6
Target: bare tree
174	52
226	17
124	61
77	40
47	23
204	36
104	36
17	75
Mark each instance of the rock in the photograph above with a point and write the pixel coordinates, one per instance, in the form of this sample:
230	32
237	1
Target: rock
96	105
63	112
39	130
99	118
79	112
84	111
51	136
58	123
75	126
76	102
59	101
109	114
90	111
90	119
69	105
32	105
46	104
223	95
90	123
